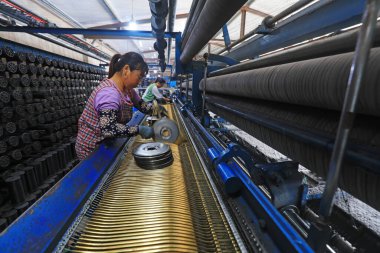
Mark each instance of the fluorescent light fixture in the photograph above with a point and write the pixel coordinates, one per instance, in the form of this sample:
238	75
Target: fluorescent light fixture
155	71
132	25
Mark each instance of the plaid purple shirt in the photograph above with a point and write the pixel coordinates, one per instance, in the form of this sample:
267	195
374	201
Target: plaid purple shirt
89	133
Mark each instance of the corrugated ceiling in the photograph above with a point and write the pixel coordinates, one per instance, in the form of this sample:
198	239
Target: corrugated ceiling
91	13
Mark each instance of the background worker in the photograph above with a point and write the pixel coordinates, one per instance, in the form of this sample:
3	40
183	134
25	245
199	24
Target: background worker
152	91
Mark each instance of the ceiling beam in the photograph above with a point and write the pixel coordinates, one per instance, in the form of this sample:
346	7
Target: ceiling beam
217	44
110	8
151	60
153	51
254	11
140	21
219	40
148	51
111	37
242	23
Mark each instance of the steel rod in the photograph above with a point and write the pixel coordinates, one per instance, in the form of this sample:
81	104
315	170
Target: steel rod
204	87
192	22
348	112
190	17
187	89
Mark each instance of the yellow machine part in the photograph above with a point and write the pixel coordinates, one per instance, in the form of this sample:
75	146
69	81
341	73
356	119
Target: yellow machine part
165	210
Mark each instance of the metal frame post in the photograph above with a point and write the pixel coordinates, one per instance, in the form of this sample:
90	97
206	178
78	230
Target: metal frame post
180	87
178	44
205	56
347	117
196	95
226	36
187	88
242	22
320	232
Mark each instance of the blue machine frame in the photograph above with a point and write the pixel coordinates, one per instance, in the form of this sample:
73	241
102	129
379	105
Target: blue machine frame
44	223
284	234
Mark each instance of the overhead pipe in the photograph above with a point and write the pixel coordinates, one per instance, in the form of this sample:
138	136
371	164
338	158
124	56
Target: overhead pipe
191	22
172	11
337	44
189	18
159	10
211	19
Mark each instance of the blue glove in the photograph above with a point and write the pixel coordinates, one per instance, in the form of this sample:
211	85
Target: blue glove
146	132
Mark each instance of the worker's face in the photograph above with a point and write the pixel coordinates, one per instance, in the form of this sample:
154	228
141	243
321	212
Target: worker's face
131	79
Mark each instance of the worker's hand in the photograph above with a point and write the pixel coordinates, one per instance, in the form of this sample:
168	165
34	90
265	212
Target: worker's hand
146	132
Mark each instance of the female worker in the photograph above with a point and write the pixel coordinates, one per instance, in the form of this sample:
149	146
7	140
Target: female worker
109	107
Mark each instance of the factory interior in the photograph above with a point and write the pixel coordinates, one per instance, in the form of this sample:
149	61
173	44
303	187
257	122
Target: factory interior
265	136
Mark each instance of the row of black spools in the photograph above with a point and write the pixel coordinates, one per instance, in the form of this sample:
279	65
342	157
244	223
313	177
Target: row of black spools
39	110
45	123
17	81
17	144
14	67
29	180
9	54
28	96
17	147
24	108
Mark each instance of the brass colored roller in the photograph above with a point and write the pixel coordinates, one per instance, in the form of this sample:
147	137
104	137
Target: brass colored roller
166	210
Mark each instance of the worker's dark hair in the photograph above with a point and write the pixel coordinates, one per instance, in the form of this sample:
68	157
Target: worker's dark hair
133	59
160	80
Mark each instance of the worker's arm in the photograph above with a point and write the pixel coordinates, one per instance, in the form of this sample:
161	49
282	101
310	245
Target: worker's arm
111	128
107	105
157	93
140	104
